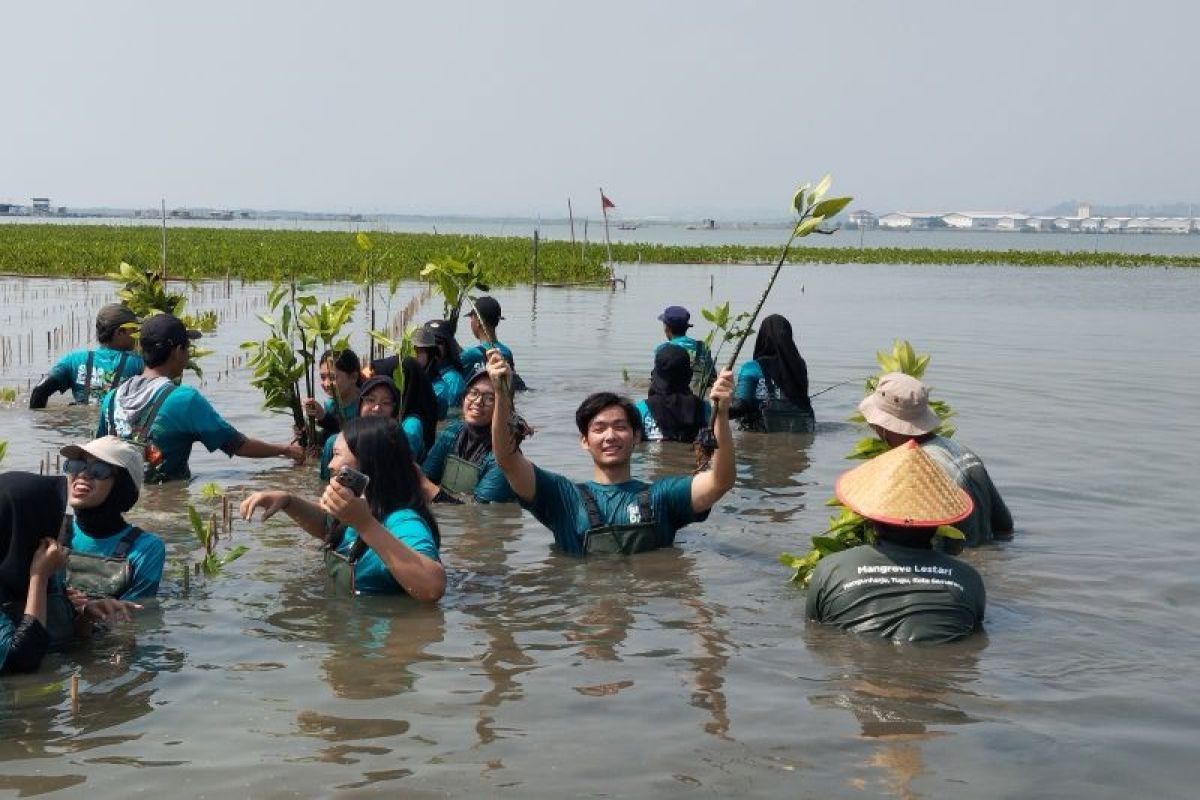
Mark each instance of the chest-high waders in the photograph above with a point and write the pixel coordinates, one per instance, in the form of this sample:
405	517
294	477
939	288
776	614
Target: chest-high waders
60	616
118	376
141	431
103	576
460	478
624	540
341	566
780	415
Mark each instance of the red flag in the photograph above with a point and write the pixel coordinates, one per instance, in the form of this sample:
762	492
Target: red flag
605	203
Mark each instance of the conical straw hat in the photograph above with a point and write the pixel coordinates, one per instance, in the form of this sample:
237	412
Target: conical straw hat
903	487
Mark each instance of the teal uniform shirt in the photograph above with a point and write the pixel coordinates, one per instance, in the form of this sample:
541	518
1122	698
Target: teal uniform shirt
72	369
695	350
492	487
902	593
7	629
349	411
752	385
413	431
185	417
146	558
558	505
448	390
475	357
650	430
371	575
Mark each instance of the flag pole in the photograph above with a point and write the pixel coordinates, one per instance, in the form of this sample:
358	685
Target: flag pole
604	201
571	216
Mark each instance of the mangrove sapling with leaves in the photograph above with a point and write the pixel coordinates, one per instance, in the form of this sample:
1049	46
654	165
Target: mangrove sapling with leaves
278	364
321	325
145	293
206	534
847	529
813	208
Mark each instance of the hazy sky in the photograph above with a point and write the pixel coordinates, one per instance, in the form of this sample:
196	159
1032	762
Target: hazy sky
676	108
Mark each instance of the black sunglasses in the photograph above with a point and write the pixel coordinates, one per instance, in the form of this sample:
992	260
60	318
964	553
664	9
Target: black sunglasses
97	470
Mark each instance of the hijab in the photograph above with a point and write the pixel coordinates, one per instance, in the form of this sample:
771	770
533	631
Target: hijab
776	353
473	442
678	412
31	509
108	518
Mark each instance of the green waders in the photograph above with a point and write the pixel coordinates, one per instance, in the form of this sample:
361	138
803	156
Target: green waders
624	540
460	478
340	566
103	576
784	416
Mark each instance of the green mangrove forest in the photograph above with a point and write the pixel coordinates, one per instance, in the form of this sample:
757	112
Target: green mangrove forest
94	250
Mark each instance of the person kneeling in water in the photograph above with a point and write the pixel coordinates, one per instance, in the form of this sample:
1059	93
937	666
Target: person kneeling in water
109	557
461	465
612	513
386	540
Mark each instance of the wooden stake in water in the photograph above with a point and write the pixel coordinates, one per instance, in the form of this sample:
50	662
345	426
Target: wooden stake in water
75	692
162	265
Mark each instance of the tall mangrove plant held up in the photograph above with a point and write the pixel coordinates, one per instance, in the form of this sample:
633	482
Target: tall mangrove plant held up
847	529
300	327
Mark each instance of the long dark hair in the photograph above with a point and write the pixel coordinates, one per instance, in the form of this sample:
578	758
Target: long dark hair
419	400
346	361
384	456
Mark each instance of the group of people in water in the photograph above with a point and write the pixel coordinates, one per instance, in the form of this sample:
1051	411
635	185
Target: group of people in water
399	436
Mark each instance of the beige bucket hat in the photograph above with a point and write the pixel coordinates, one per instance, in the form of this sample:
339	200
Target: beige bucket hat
905	487
900	404
115	451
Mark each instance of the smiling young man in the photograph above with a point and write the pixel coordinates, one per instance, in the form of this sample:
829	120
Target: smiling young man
612	513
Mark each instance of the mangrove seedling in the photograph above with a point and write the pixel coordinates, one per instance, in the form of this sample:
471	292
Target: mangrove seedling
847	529
211	564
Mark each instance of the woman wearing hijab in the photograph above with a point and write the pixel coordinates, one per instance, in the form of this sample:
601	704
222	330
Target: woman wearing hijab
109	557
433	358
460	466
772	390
671	412
31	515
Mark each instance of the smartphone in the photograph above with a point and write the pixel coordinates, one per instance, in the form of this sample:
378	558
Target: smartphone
353	480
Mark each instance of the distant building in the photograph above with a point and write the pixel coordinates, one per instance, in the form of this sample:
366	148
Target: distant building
41	205
862	219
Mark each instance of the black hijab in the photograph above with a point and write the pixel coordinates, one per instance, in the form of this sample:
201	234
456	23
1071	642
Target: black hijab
775	351
473	442
678	412
108	518
31	509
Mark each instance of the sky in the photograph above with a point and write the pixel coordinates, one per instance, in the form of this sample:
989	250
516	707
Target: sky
681	109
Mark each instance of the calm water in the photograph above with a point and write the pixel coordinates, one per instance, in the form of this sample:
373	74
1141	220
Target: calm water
745	233
688	672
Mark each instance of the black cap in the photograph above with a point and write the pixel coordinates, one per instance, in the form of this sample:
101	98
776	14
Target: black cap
110	319
477	373
383	380
165	330
423	337
440	329
489	311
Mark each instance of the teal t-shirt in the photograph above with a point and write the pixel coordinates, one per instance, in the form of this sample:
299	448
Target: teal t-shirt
448	390
411	427
558	505
186	417
492	486
475	357
72	368
146	558
371	575
7	630
902	593
349	411
752	385
650	430
695	350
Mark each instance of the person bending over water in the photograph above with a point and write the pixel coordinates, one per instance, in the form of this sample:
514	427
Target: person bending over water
461	465
109	557
670	411
772	389
612	513
91	373
383	542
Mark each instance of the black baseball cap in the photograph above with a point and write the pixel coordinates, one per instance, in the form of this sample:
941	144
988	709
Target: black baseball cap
111	317
489	310
476	374
165	330
440	329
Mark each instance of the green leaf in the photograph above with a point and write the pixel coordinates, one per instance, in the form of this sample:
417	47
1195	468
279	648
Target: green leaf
233	555
950	532
363	241
807	226
830	207
821	188
798	200
198	528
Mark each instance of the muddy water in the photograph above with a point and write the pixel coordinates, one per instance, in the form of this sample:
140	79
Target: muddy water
687	672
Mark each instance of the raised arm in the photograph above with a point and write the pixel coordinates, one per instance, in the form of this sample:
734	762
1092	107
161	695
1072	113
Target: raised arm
708	487
512	462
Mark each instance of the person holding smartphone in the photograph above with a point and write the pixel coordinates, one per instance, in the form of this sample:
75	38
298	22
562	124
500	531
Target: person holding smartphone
380	536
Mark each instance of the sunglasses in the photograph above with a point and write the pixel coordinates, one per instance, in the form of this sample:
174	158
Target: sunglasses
97	470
